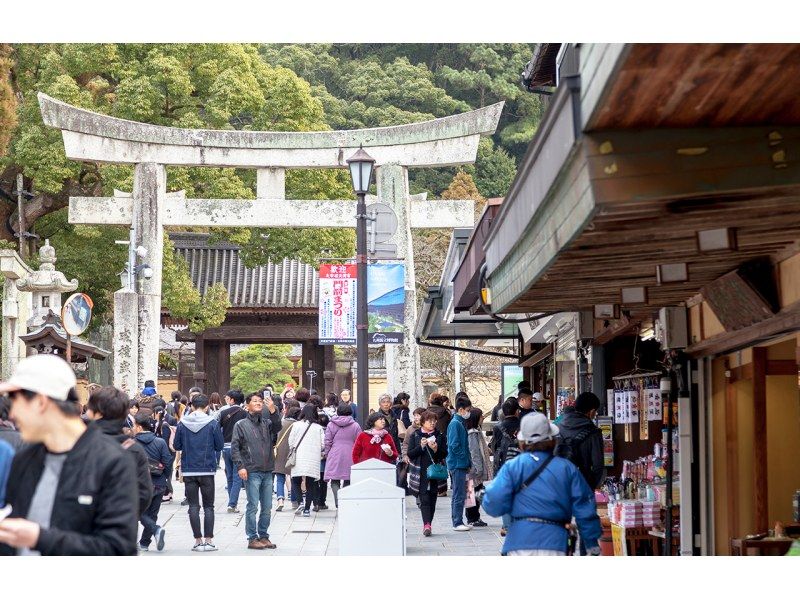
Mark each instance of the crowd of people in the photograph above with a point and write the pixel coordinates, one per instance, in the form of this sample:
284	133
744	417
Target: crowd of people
78	479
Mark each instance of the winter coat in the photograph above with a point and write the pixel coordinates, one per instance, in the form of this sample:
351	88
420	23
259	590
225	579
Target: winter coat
199	438
11	435
391	426
95	508
252	442
558	494
365	449
587	455
504	432
457	445
340	436
481	470
421	456
157	452
403	415
282	446
309	452
144	483
409	433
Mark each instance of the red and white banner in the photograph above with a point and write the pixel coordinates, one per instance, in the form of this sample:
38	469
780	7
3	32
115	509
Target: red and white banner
337	304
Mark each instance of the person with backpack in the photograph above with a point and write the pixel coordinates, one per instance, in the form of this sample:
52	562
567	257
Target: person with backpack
228	416
159	460
165	427
199	437
252	453
305	450
504	443
581	441
542	493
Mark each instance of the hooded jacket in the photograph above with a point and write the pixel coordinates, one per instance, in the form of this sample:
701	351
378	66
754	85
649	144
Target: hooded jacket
340	436
558	494
94	513
252	441
144	484
457	445
587	454
157	452
199	438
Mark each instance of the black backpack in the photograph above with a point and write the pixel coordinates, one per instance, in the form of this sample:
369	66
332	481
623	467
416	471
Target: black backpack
567	448
508	447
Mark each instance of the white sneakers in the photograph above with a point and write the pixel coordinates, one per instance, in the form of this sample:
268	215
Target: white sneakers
462	528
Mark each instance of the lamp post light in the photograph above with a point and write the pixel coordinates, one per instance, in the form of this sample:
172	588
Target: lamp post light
361	165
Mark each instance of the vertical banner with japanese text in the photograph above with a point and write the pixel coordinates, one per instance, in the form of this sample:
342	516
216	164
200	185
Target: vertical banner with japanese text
337	304
386	303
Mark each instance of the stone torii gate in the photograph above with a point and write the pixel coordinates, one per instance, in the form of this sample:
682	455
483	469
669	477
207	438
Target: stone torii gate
89	136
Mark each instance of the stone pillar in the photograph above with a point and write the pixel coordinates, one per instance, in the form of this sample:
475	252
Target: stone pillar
402	361
10	328
271	183
126	341
149	189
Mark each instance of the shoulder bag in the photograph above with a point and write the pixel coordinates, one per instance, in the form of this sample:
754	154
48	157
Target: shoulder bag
291	459
280	440
435	471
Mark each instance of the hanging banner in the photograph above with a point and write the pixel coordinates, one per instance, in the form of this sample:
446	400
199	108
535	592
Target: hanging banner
386	303
337	304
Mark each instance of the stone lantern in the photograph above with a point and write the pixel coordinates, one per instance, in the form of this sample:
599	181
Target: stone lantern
46	286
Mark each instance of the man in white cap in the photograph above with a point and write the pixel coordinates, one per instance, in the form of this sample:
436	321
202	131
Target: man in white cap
73	490
542	493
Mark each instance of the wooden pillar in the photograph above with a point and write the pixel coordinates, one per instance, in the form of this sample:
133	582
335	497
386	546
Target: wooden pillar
731	455
223	369
200	368
760	482
212	368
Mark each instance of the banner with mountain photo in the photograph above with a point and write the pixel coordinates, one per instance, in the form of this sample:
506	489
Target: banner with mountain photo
386	303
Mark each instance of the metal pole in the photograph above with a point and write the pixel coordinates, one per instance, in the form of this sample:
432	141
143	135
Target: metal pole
362	362
23	245
69	349
132	259
457	372
670	458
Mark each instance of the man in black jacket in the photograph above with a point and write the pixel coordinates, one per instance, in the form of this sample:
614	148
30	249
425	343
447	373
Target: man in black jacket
581	441
227	417
251	451
159	459
73	490
107	410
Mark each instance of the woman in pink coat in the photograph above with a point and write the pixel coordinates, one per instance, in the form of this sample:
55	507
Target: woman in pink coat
340	436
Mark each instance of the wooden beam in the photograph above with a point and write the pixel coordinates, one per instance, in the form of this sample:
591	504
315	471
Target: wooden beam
537	357
785	321
257	334
760	481
731	459
743	372
617	328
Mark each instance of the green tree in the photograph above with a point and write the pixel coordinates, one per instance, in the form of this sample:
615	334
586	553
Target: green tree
258	365
8	102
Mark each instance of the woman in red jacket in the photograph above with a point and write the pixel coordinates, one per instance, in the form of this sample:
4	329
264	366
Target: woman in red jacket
375	442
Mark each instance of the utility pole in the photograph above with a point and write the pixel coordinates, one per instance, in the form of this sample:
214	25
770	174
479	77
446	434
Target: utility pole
23	243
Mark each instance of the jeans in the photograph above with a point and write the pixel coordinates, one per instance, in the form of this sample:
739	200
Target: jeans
259	492
149	518
234	481
458	478
311	489
428	494
197	485
280	486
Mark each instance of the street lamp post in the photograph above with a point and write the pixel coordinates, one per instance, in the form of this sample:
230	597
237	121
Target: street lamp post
361	166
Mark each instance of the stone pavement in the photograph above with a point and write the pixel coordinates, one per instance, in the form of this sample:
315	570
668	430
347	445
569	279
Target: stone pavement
316	535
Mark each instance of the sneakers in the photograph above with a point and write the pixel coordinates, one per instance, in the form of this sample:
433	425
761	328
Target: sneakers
462	528
233	509
503	532
280	505
324	508
209	547
184	502
255	544
306	513
478	523
143	548
426	529
315	508
199	547
299	510
159	535
265	543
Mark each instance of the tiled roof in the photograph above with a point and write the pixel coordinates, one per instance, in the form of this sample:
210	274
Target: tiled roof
286	284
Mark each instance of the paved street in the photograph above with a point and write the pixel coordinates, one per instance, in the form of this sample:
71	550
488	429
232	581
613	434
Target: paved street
316	535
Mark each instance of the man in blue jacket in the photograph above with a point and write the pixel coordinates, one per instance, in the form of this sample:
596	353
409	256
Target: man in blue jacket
459	461
199	438
542	506
159	459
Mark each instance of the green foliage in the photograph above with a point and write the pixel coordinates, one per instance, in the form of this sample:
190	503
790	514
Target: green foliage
259	365
166	361
494	170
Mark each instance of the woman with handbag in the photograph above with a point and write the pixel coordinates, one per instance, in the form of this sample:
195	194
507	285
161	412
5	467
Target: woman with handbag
427	451
376	442
292	412
340	436
305	450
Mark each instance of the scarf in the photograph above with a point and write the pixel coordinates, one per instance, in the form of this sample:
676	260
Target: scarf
377	435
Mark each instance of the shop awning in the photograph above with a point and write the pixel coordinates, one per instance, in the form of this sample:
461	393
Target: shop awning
437	320
658	145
